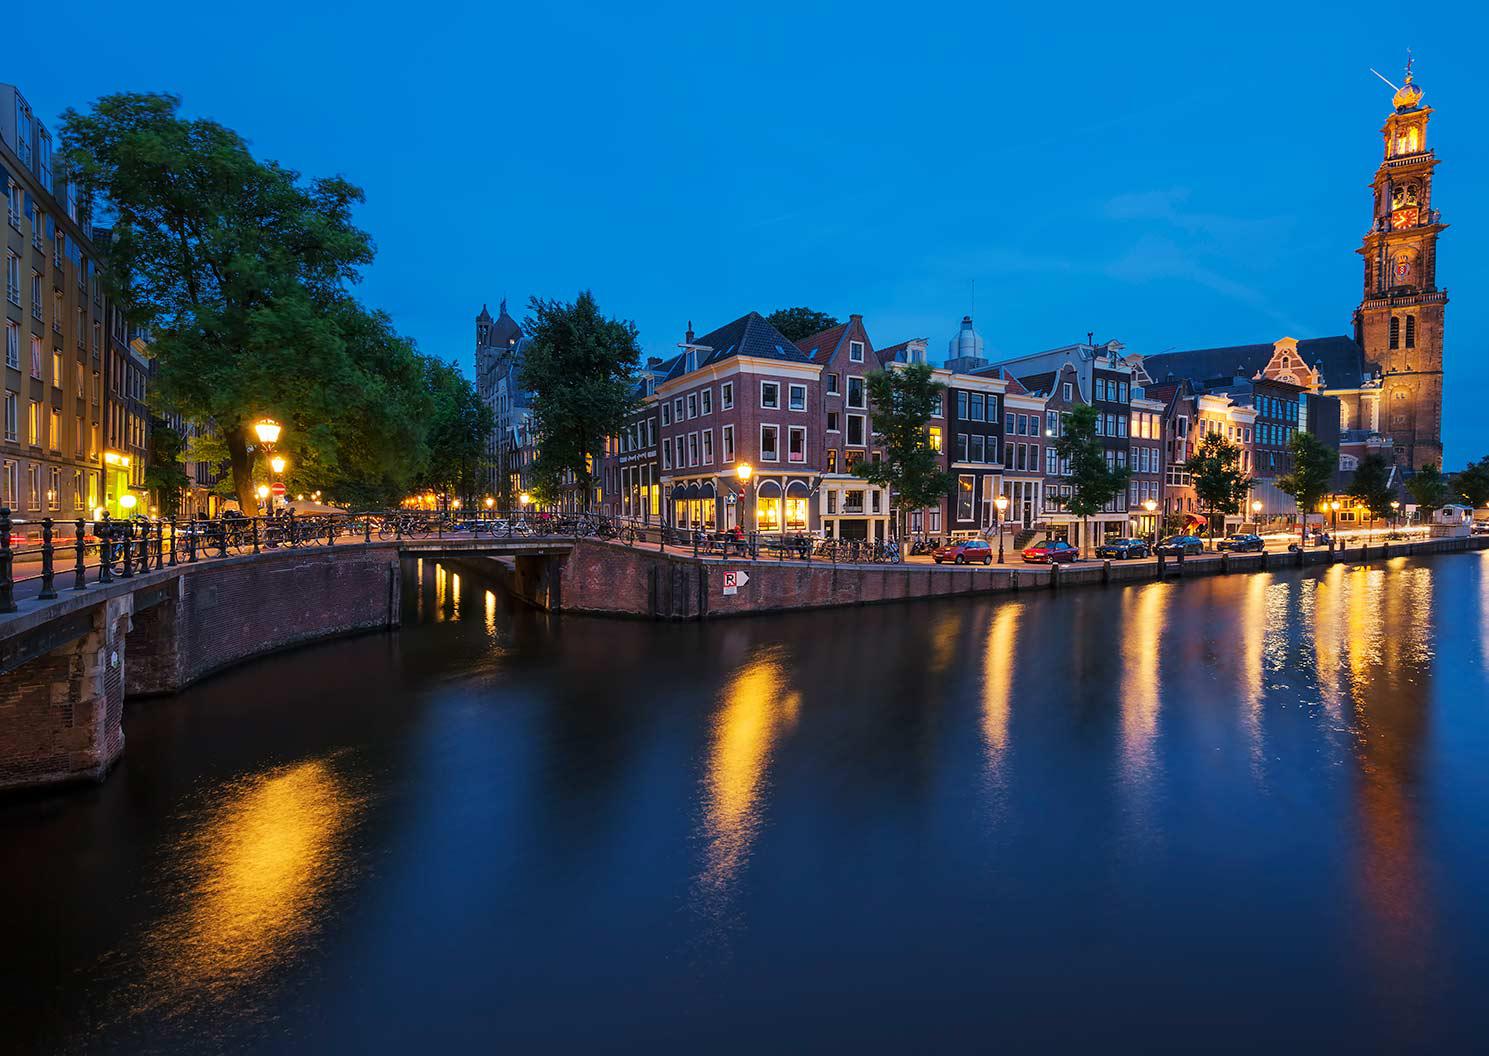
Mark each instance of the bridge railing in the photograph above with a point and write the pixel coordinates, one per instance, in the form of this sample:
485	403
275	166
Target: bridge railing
40	557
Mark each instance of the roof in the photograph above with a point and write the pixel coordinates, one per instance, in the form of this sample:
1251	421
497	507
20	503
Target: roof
1341	361
1015	387
749	335
821	346
1039	383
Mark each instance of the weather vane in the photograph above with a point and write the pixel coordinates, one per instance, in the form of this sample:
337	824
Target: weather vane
1397	87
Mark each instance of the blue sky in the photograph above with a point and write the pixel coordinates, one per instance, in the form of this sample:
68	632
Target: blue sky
1172	177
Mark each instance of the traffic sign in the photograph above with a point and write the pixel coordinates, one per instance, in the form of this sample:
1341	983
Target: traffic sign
277	489
734	580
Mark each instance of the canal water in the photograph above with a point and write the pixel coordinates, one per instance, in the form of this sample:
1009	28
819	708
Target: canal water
1234	813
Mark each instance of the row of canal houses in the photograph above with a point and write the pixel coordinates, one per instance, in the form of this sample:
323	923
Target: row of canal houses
798	415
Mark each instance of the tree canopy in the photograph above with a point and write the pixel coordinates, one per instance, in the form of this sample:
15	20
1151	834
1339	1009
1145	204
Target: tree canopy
578	365
1471	483
1220	484
797	323
1093	482
901	402
1314	463
239	268
1428	487
1371	485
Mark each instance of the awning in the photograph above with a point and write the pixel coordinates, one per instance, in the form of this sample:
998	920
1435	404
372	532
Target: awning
769	489
705	490
690	491
798	487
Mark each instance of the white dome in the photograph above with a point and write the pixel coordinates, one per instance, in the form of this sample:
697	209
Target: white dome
967	343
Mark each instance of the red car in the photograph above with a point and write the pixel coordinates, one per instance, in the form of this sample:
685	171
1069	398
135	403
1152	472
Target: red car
1050	552
964	552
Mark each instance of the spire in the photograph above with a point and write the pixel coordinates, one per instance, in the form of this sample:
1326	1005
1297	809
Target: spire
1408	96
485	316
503	305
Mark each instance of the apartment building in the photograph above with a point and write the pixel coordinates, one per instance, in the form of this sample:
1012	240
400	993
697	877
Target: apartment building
52	459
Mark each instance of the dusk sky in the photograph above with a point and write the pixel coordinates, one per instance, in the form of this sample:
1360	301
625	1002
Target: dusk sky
1171	178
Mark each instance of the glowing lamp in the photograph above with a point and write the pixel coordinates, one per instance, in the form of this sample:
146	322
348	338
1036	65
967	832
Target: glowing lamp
490	502
277	463
1150	505
128	502
1001	502
268	430
524	498
263	491
744	471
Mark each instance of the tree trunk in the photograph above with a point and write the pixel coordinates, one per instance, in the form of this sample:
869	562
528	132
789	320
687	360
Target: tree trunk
241	464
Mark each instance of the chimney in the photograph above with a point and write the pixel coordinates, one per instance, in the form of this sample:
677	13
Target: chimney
689	338
1091	338
653	362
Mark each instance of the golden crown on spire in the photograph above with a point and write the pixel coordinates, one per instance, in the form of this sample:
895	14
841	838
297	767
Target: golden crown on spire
1409	95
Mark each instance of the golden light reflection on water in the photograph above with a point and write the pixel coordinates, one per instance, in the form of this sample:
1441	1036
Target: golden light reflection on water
490	612
1144	612
455	595
997	677
758	707
255	875
944	637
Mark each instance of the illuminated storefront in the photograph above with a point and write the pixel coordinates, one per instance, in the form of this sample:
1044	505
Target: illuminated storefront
118	499
768	501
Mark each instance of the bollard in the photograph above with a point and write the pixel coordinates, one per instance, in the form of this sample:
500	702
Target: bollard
7	565
367	529
173	542
1159	566
1225	563
128	570
1106	570
48	582
79	568
1179	564
1054	575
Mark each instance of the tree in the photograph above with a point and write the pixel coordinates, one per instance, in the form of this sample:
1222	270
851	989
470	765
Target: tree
1428	487
1220	483
901	401
1093	482
1314	463
578	367
458	426
163	474
1371	486
797	323
1471	483
234	265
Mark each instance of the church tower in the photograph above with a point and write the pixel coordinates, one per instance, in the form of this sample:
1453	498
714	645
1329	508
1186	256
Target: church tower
1399	323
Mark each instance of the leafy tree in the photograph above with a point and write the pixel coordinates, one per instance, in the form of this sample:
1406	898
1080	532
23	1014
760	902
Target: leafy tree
458	426
1220	484
231	262
578	367
1314	463
164	474
901	401
797	323
1471	483
1428	487
1371	486
1093	483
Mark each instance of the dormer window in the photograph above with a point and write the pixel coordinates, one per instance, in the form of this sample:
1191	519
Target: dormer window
690	361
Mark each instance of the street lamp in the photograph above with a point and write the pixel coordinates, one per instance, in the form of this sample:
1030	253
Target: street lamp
1395	513
268	430
1000	504
744	471
263	494
1333	522
277	464
524	499
1150	505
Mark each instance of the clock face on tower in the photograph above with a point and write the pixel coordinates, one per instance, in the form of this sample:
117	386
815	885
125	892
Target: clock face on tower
1405	217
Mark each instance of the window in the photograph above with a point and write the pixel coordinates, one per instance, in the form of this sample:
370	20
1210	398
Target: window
13	197
856	430
13	345
1121	425
978	407
961	405
937	407
1395	331
692	405
705	402
54	488
34	425
964	496
77	489
12	415
726	439
693	459
935	438
666	452
56	429
726	395
36	311
57	368
770	395
10	484
961	447
1122	392
1411	331
831	381
13	279
796	397
1066	390
677	410
832	421
855	392
33	487
976	447
666	414
796	444
855	351
708	447
1101	425
770	439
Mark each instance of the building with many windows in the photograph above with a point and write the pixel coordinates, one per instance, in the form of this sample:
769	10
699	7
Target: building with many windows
52	459
509	448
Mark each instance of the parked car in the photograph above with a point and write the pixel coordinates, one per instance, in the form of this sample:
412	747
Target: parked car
1243	542
1122	549
1050	552
1181	544
964	552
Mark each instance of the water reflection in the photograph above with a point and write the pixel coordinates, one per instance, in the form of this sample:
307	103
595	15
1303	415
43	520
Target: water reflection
254	877
1144	613
999	654
759	705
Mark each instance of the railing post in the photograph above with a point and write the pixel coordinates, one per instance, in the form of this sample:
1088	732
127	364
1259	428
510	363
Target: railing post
173	542
160	544
367	528
105	548
331	530
7	565
80	568
48	578
128	548
196	523
255	535
221	537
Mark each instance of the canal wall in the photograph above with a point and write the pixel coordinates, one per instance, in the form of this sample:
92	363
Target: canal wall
66	669
609	578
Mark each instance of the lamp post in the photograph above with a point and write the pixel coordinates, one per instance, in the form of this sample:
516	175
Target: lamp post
1333	523
744	471
1000	504
267	430
523	500
263	494
1150	505
1256	509
1395	514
